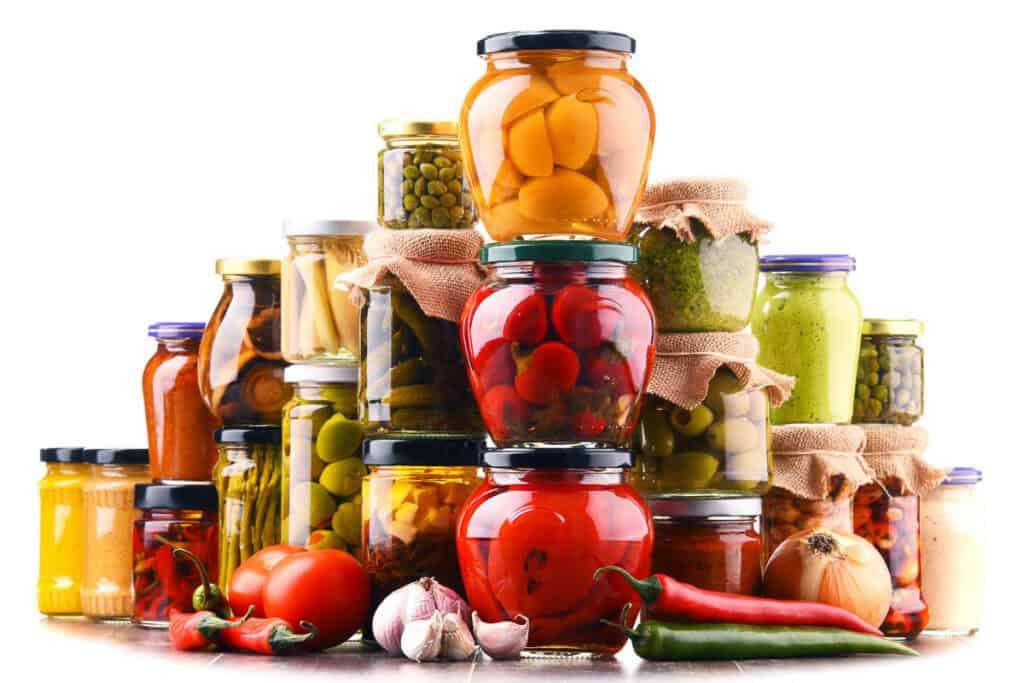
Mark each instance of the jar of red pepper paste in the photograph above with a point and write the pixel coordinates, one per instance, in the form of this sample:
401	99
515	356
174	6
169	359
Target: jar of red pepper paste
173	516
712	543
559	342
530	538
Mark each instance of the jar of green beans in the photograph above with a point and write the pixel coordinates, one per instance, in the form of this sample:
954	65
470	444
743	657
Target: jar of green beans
420	177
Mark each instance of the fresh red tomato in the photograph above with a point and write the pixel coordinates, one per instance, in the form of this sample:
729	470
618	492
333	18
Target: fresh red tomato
328	588
246	586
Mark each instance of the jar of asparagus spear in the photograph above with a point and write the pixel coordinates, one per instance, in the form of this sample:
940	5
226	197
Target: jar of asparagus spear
248	480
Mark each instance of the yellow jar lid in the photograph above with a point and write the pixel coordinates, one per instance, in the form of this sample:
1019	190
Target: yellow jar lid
897	327
401	128
248	266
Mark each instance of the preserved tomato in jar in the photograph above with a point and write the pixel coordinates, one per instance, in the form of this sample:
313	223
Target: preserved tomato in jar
559	342
557	134
532	535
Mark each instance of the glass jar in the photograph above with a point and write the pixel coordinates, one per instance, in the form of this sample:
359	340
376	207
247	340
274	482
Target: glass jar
711	543
532	535
241	370
557	134
172	516
560	343
322	469
706	285
248	481
721	447
109	495
890	521
61	531
784	514
808	324
320	322
421	181
890	374
178	422
953	554
413	377
411	499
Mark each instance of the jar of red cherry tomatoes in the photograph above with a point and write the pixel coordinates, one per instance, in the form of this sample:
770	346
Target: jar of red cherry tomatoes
559	342
530	538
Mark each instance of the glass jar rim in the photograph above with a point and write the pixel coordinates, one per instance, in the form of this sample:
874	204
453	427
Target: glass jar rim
176	497
570	457
173	330
62	454
895	327
248	266
808	263
725	507
326	374
556	39
558	251
298	227
116	456
422	452
246	435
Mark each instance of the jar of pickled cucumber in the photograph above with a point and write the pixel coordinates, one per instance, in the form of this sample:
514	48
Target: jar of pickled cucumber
890	373
319	322
411	500
557	134
322	471
421	182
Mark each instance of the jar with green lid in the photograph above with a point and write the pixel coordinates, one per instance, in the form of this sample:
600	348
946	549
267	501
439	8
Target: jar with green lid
248	480
322	471
420	178
320	322
61	531
890	372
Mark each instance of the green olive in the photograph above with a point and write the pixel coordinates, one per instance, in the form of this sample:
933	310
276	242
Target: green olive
422	214
863	392
442	162
688	470
871	379
446	174
429	201
454	186
724	382
411	172
314	499
656	438
344	477
436	188
691	423
456	212
873	407
858	407
338	438
325	539
420	187
429	171
407	186
440	217
881	392
347	522
410	202
448	200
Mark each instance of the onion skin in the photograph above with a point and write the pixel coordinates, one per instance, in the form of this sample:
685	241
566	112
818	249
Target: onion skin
836	569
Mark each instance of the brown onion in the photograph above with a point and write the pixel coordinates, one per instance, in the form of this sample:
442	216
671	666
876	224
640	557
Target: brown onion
833	568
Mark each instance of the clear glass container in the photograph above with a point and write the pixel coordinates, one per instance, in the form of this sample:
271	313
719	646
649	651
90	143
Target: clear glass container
953	554
721	447
557	135
110	513
172	516
61	531
241	369
248	481
411	500
784	514
179	424
421	180
711	543
320	322
890	373
322	469
560	343
808	323
534	533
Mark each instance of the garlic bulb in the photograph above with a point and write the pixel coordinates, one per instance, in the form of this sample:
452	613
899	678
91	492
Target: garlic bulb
414	601
502	640
457	642
421	640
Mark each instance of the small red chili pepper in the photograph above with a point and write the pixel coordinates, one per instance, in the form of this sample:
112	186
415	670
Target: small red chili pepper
587	424
674	601
199	630
503	411
528	320
495	364
546	373
608	368
268	636
575	316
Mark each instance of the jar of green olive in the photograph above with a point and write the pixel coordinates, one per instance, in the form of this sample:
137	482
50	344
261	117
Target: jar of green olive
420	178
890	373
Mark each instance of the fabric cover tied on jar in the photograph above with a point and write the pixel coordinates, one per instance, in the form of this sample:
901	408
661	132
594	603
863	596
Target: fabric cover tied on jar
720	204
894	453
810	459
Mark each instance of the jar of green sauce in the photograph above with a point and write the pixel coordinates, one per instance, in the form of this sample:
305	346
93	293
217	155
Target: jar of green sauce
808	323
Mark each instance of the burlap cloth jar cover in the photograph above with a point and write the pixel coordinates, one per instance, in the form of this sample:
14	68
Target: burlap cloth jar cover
894	454
720	204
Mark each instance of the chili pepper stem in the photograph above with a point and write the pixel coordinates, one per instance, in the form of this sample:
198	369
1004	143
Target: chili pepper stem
621	625
199	566
281	638
648	589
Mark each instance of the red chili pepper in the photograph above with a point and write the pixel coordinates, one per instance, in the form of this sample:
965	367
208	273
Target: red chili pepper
503	411
608	368
495	364
547	372
575	316
269	636
675	600
528	320
587	424
199	630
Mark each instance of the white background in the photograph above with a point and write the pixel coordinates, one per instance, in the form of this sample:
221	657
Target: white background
140	141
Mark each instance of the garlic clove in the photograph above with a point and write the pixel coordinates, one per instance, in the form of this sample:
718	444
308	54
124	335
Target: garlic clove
421	640
504	639
387	620
419	601
447	600
457	642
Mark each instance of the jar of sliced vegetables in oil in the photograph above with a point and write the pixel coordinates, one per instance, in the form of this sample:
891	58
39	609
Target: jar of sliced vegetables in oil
890	373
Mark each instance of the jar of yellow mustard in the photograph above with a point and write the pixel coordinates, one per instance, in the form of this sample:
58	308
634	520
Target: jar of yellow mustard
61	531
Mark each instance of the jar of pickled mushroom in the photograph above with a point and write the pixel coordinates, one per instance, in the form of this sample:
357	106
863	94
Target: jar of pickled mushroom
320	322
241	369
411	500
179	424
559	341
421	180
322	471
557	134
248	480
711	543
172	516
110	514
534	533
890	373
808	322
61	531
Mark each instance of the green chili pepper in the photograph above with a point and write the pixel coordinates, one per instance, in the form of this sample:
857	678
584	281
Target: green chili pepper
207	596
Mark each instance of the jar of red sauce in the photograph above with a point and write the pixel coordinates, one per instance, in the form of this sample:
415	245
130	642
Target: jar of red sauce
178	422
712	543
530	538
559	342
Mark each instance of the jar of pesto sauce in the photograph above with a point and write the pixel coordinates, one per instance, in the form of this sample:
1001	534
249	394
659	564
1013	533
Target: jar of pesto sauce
808	323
